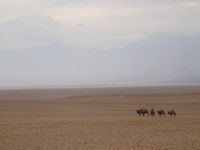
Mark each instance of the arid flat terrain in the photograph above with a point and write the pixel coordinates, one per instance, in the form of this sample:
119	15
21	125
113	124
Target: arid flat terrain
99	121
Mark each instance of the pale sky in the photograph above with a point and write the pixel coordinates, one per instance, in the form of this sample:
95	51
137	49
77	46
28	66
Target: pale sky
96	24
92	42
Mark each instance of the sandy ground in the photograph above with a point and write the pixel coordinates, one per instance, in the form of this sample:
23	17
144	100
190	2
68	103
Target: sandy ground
101	122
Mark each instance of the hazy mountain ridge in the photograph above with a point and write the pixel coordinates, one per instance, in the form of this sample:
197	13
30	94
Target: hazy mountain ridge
157	59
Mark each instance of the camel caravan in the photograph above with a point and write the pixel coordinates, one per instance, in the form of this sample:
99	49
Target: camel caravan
152	112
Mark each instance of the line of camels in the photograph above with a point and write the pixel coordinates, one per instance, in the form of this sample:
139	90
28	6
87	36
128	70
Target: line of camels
152	112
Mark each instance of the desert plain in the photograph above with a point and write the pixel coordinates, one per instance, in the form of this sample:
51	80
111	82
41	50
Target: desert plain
100	119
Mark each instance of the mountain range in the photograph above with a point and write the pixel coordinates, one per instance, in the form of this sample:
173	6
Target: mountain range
159	59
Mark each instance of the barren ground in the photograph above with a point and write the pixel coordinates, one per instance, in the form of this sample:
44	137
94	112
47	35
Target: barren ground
100	122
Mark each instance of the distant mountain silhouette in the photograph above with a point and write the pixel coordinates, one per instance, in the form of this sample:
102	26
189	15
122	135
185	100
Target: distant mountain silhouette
157	59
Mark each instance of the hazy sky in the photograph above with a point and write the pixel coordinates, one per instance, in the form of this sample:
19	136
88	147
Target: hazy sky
54	42
100	24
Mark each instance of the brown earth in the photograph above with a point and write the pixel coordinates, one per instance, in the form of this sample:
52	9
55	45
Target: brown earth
99	122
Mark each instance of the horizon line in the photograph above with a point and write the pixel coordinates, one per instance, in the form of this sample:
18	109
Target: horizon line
96	86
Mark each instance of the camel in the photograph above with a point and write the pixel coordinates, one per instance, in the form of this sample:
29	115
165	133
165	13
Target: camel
161	112
143	112
139	112
152	112
172	113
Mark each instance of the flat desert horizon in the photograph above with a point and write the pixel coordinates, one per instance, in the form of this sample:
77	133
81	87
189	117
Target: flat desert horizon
99	118
99	75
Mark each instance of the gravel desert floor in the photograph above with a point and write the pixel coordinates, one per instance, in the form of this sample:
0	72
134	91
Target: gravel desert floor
100	122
